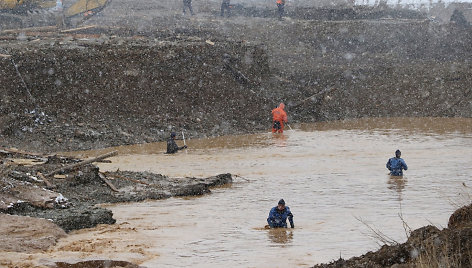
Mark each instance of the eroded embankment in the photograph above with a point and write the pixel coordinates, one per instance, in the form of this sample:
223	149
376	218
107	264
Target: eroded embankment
98	89
111	91
426	247
69	199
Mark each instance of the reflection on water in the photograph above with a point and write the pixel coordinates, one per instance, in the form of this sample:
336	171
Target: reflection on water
397	183
280	235
329	173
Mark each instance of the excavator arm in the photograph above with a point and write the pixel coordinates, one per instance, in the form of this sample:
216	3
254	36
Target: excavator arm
28	13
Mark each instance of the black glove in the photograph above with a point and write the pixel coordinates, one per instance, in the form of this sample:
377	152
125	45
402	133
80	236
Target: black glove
185	146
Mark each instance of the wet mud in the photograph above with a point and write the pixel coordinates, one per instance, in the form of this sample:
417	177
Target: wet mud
96	264
70	201
43	210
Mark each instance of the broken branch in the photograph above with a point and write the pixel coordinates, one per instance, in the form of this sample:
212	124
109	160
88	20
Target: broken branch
73	166
104	178
48	183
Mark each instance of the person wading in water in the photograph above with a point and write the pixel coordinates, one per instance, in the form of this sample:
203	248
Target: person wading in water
172	147
278	216
396	165
279	117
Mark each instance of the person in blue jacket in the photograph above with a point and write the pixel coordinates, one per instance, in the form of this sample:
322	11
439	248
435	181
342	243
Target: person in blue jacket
278	216
396	165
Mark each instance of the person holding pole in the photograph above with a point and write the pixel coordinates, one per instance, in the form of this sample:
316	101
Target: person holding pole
172	146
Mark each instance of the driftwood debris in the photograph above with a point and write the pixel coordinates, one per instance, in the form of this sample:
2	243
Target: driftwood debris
104	178
73	166
46	181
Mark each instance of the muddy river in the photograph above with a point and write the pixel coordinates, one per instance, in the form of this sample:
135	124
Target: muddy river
332	176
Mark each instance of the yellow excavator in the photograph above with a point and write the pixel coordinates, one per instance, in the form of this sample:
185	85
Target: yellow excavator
41	12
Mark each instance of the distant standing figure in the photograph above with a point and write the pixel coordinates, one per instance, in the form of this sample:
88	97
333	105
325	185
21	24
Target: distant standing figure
225	5
60	17
172	147
280	7
278	216
188	4
396	165
279	117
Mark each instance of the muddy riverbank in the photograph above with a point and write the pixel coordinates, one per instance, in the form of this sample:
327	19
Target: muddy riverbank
183	227
68	198
142	73
426	247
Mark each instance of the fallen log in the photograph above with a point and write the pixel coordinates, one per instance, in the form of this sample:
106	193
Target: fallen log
73	166
46	181
104	178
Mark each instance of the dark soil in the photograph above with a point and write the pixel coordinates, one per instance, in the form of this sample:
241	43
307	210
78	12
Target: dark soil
134	79
426	247
70	202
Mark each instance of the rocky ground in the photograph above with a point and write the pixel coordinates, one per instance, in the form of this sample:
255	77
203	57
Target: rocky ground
134	76
68	196
426	247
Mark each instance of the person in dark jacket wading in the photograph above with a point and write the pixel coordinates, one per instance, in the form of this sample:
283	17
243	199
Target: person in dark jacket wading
172	146
278	216
396	165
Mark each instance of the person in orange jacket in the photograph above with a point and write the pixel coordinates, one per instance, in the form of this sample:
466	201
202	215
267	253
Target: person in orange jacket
280	6
279	117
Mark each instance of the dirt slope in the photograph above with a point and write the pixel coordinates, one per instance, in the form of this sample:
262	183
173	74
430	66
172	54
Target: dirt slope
148	69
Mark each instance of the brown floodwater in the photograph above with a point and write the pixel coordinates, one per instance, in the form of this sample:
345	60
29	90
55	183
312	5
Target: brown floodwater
332	176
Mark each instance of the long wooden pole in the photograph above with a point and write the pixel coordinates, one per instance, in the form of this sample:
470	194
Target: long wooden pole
73	166
183	136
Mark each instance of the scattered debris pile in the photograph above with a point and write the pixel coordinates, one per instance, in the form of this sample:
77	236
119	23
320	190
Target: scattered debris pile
66	190
426	247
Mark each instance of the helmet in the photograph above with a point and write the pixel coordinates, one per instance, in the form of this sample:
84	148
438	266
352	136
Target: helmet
281	202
